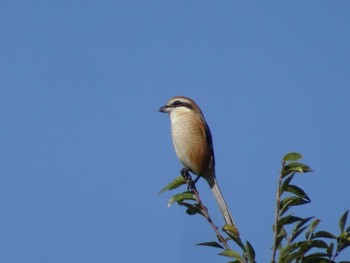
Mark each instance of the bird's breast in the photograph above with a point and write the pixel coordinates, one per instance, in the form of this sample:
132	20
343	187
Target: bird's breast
190	142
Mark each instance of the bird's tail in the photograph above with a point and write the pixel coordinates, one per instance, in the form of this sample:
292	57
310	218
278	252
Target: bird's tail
213	183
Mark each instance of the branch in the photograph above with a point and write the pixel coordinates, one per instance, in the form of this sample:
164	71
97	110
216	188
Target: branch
204	209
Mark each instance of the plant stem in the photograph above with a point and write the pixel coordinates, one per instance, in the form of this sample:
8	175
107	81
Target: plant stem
277	217
206	214
191	186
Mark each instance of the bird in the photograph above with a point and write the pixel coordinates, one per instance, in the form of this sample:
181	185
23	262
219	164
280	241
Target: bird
193	145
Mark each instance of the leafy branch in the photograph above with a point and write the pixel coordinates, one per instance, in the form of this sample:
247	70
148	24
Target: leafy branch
192	201
289	245
296	239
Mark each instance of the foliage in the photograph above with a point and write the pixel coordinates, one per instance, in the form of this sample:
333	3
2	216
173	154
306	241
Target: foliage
290	246
296	239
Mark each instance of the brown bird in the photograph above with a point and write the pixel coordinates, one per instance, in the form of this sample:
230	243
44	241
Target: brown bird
193	145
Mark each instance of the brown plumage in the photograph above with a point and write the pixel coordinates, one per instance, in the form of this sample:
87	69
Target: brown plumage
193	145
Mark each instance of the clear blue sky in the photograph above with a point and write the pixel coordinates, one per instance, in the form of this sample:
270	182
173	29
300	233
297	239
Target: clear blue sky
84	151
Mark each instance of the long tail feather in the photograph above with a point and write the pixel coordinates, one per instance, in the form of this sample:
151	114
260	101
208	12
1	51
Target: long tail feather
213	183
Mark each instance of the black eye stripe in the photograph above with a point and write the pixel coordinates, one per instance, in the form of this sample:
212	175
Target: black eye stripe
179	103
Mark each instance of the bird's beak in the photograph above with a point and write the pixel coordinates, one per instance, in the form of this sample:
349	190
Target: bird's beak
164	108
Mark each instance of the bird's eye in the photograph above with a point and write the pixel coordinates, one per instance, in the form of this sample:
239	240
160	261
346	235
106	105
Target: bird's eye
177	103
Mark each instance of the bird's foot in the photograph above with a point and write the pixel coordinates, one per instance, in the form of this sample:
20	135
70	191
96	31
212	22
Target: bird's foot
191	184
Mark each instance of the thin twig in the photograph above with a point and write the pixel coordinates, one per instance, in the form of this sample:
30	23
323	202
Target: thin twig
206	214
204	209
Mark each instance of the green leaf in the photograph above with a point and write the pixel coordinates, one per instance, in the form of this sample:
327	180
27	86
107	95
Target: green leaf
295	167
323	234
285	183
292	156
287	253
235	238
250	252
343	241
232	254
192	209
289	220
316	257
318	244
342	221
279	240
297	191
231	229
298	228
210	244
312	227
178	181
289	258
179	198
286	221
303	222
297	233
330	250
286	172
291	201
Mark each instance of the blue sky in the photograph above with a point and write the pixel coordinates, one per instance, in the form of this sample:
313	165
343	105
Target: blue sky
84	151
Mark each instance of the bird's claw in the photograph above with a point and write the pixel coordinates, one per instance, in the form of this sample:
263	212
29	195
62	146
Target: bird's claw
191	184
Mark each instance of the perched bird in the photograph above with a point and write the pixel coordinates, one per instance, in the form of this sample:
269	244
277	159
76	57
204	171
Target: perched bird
193	145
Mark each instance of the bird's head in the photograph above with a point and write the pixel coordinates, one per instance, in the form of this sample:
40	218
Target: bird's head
180	103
